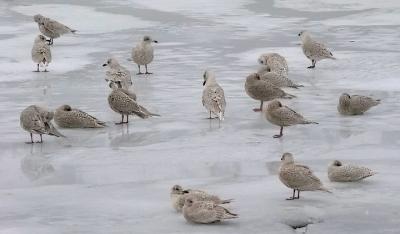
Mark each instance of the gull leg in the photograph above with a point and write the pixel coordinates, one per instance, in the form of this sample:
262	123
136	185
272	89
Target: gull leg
41	139
127	119
298	194
261	106
293	197
313	64
31	142
280	133
139	73
37	68
146	69
122	120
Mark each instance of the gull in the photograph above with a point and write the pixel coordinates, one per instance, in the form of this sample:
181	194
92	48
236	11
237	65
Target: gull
355	104
116	72
339	172
67	117
51	28
143	53
37	120
283	116
178	197
263	90
205	212
213	96
298	177
124	102
41	53
314	50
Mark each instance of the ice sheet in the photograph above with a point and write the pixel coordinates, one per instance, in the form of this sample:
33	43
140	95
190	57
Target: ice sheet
117	179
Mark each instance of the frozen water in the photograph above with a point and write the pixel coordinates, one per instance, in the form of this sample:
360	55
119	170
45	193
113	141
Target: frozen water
117	179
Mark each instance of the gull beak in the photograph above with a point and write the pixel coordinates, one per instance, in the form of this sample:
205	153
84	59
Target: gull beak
155	41
299	34
204	83
104	64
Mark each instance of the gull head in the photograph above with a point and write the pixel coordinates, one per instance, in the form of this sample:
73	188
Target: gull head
65	108
344	99
287	158
40	38
208	77
189	202
111	62
262	60
336	163
148	39
304	36
38	18
253	77
274	104
177	189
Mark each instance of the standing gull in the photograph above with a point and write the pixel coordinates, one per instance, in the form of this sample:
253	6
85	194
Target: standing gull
355	104
314	50
178	197
298	177
116	72
67	117
143	53
283	116
124	102
213	96
339	172
205	212
41	53
274	62
51	28
37	120
263	90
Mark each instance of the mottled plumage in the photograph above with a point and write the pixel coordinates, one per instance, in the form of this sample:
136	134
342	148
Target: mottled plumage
205	211
51	28
263	90
278	79
178	197
283	116
355	104
338	172
213	98
298	177
274	62
41	53
67	117
143	53
37	120
124	103
314	50
116	72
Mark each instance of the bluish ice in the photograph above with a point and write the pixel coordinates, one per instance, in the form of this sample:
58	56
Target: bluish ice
117	179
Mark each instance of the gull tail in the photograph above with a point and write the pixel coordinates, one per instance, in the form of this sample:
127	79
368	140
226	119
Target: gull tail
54	132
288	96
309	122
227	201
325	190
230	215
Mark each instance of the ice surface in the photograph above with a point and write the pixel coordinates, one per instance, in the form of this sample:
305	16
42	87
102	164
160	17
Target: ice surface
117	179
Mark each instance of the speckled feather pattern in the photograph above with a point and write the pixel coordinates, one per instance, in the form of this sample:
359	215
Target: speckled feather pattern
348	173
355	104
206	212
51	28
75	118
41	53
